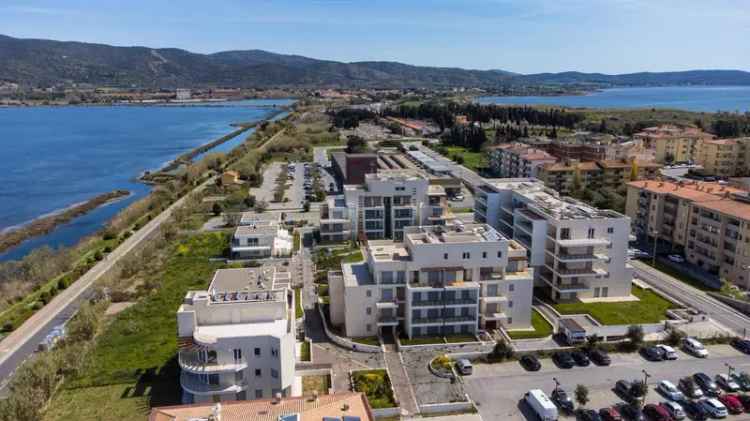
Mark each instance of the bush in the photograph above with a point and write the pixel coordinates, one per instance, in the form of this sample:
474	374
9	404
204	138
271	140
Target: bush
674	337
635	335
582	394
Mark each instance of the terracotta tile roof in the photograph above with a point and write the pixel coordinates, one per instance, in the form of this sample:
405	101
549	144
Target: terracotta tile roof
588	166
614	164
335	405
721	141
729	206
696	191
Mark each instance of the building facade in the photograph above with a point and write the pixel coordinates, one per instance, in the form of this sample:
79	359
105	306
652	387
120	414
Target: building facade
672	143
516	160
708	222
383	206
237	339
260	236
441	280
578	252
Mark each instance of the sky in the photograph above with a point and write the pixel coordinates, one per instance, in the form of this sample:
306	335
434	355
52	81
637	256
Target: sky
524	36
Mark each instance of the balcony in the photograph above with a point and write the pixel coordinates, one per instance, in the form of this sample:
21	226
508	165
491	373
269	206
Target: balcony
495	299
387	320
190	361
494	316
583	257
384	304
193	384
562	272
582	242
572	287
441	303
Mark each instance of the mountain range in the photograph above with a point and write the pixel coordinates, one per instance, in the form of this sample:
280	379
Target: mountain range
37	62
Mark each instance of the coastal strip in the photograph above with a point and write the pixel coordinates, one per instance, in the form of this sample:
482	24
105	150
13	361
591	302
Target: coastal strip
46	224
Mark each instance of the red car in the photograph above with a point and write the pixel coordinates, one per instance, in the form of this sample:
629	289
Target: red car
610	414
657	413
745	400
732	402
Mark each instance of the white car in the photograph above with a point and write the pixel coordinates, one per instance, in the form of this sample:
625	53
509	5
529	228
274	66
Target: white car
726	383
457	198
674	409
715	408
669	352
676	258
669	390
694	347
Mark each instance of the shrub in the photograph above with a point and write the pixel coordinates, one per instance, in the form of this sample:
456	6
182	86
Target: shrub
582	395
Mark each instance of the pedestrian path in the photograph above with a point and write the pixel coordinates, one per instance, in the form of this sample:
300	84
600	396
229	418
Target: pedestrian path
400	380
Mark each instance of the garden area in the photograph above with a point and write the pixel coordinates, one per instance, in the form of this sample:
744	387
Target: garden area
437	340
316	383
376	385
541	326
650	308
474	161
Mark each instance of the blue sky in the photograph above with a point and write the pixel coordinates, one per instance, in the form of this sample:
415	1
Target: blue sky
526	36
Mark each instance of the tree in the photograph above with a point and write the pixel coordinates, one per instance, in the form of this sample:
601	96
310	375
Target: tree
216	209
355	144
674	337
232	219
261	206
635	335
592	342
502	350
249	201
306	206
582	394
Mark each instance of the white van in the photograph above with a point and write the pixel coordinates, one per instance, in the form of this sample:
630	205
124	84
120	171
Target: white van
542	406
694	347
464	367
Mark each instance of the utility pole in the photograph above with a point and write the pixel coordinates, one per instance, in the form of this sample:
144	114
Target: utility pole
730	369
557	383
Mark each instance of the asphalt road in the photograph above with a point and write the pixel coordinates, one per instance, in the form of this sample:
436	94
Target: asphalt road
22	342
498	388
692	297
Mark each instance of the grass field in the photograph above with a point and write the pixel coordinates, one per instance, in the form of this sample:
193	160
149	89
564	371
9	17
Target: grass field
305	351
298	310
370	340
317	383
133	365
472	160
651	308
541	326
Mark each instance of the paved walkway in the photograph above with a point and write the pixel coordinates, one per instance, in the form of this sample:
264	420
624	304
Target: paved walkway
400	380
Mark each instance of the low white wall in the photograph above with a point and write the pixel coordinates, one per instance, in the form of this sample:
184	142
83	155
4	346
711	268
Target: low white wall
386	412
346	343
439	408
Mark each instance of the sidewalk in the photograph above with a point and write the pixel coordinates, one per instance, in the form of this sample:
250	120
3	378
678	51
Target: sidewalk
400	380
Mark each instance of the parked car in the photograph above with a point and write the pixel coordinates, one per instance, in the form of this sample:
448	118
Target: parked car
610	414
563	401
457	198
627	390
464	367
589	415
656	412
652	353
734	406
531	363
693	346
745	401
563	359
689	388
742	379
580	358
708	386
742	345
600	357
676	258
668	352
675	410
669	390
727	383
631	412
695	410
714	408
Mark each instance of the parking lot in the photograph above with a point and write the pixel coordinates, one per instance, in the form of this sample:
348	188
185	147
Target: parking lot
498	389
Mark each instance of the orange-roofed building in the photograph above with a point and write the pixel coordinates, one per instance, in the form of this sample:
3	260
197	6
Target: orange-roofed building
308	408
672	143
517	160
707	222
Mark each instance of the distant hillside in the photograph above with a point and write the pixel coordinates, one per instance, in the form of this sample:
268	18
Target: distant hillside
34	62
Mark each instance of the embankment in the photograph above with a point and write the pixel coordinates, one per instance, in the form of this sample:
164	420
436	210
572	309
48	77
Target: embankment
46	224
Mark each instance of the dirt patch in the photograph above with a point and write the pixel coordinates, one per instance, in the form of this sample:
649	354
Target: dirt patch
115	308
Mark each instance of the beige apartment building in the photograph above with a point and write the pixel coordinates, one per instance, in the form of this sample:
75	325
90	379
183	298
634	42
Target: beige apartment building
672	143
725	157
708	222
515	160
594	175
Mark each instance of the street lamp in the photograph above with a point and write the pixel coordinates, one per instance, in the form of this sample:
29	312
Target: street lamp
557	383
645	383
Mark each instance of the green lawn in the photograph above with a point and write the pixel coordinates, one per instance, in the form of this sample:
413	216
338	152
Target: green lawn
133	365
316	383
472	160
541	326
376	385
353	257
305	351
298	311
650	309
369	340
422	340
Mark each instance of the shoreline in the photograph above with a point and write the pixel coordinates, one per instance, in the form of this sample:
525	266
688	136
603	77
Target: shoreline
13	236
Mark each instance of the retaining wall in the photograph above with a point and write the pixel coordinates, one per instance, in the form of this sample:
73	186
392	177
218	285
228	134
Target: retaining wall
738	305
345	342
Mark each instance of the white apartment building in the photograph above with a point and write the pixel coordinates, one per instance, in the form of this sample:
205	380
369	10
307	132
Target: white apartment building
260	236
578	251
383	206
440	280
237	339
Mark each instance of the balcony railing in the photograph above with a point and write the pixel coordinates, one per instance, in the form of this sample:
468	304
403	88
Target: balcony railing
435	320
191	361
453	302
387	320
193	384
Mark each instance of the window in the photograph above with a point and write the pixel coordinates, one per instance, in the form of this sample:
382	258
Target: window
499	254
368	293
610	230
258	393
511	287
257	352
258	373
274	373
237	354
565	234
445	256
510	320
274	352
510	304
368	327
369	310
591	232
467	255
484	255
